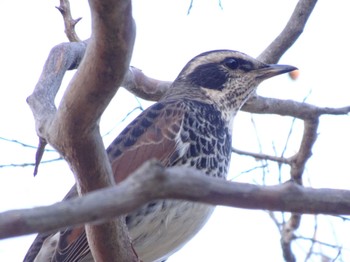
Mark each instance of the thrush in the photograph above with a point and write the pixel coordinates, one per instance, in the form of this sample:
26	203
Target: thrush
190	126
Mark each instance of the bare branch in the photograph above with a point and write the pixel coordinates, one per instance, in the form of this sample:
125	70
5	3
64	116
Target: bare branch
313	240
14	141
334	111
152	181
23	144
297	169
290	33
288	137
287	236
311	248
61	58
145	87
73	128
304	111
305	150
69	22
261	156
31	164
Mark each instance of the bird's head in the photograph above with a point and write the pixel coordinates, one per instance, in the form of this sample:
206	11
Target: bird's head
225	78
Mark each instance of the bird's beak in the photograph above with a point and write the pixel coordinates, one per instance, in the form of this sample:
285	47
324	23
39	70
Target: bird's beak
273	70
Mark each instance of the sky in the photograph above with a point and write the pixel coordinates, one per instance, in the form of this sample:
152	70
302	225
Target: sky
167	37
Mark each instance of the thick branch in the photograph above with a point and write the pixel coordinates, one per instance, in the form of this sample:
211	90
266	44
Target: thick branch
73	129
152	181
97	80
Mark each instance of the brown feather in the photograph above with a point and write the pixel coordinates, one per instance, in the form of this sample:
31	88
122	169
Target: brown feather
157	141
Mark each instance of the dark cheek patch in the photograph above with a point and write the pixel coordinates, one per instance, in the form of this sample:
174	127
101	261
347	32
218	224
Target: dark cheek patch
209	76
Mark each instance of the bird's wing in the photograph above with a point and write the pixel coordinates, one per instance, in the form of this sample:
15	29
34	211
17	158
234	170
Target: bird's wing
153	134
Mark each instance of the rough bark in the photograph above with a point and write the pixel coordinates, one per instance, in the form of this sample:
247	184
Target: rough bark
73	129
151	181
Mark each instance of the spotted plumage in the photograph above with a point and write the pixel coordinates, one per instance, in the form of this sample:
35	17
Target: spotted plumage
190	126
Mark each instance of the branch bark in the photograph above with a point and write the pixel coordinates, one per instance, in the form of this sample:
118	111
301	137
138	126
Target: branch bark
69	22
151	181
290	33
73	128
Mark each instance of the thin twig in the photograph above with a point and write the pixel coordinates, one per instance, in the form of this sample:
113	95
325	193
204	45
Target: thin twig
24	144
190	7
31	164
123	119
311	249
261	156
313	240
69	22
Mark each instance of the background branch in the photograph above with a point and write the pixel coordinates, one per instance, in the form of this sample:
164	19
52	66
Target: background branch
261	156
290	33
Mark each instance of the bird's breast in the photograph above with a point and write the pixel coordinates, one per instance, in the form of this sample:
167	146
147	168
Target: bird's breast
208	140
169	225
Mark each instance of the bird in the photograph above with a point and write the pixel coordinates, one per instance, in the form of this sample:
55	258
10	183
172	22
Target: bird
190	126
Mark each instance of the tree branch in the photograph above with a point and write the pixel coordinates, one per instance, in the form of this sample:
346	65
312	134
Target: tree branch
73	128
298	164
300	110
290	33
305	150
151	181
287	236
272	54
139	84
69	22
261	156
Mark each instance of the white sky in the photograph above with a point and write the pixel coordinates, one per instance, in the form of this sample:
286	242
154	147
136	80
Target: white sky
166	39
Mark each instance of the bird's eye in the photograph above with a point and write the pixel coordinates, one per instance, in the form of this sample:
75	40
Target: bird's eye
231	63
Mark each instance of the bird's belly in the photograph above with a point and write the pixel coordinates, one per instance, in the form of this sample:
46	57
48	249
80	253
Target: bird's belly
162	227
